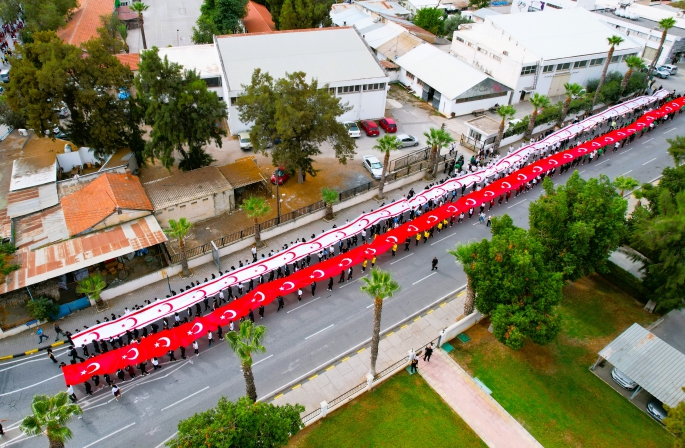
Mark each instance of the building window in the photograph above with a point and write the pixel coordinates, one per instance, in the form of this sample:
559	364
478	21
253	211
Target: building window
496	58
460	39
528	69
564	66
183	206
419	82
549	5
615	59
548	68
170	209
482	50
598	61
410	76
580	64
377	86
213	82
192	203
332	90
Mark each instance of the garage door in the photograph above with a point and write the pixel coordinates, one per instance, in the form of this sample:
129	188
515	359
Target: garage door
557	87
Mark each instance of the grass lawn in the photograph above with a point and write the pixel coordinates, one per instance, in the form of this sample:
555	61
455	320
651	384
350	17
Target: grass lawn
402	412
550	390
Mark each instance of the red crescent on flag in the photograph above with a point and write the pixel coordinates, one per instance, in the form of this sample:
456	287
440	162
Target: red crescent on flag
171	308
234	314
283	287
391	238
488	194
370	251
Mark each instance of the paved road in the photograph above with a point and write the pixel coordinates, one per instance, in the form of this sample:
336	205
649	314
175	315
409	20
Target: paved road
303	339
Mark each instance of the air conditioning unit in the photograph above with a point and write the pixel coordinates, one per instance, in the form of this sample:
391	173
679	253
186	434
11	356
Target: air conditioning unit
505	53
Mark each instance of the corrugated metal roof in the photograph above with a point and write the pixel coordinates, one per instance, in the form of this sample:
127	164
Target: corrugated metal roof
242	172
400	45
40	229
31	200
653	364
184	187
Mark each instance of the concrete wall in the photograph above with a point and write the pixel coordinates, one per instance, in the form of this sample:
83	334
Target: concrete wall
459	327
115	219
197	209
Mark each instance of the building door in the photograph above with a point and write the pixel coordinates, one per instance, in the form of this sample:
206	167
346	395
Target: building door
557	86
436	100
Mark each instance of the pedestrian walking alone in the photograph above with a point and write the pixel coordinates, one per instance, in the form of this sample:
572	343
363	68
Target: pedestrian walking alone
58	331
41	335
434	264
330	284
429	352
51	356
299	294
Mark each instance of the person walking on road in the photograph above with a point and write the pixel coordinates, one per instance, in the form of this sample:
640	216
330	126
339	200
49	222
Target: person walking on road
394	249
155	364
183	352
364	264
349	271
58	331
210	339
280	303
74	355
406	244
196	348
330	284
41	335
299	294
89	388
434	264
70	392
414	365
51	356
313	288
261	314
116	392
429	352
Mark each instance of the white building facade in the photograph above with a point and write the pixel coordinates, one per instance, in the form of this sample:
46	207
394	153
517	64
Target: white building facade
201	58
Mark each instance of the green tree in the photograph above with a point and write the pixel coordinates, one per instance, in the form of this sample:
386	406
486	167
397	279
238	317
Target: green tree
109	33
514	284
665	25
7	251
303	14
436	139
613	42
42	308
10	118
538	102
380	286
244	424
622	184
505	112
269	105
255	208
139	8
430	19
479	4
38	15
218	17
92	286
330	198
572	90
676	149
579	224
675	422
452	24
466	254
246	341
386	144
204	31
122	29
47	72
184	115
634	63
179	230
49	416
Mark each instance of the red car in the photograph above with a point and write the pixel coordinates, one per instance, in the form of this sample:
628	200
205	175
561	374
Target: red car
370	127
388	124
282	176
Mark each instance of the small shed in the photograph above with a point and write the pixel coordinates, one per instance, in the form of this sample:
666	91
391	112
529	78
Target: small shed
482	133
246	177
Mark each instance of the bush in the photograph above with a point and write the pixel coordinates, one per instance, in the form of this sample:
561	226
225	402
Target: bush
42	308
625	281
591	85
610	92
636	82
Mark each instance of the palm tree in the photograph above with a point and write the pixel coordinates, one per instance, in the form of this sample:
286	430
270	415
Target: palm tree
677	149
506	113
330	198
179	229
378	285
436	139
664	24
613	41
140	7
255	208
538	102
624	183
123	32
244	342
386	144
49	416
572	90
634	63
92	286
465	253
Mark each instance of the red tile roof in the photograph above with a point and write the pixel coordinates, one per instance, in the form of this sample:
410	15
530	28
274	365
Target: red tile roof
101	198
258	19
130	59
85	21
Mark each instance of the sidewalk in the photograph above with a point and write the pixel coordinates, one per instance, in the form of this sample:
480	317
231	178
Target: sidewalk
481	412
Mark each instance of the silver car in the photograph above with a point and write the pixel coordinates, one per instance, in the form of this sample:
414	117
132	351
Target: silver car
374	166
352	129
622	379
245	142
407	140
656	409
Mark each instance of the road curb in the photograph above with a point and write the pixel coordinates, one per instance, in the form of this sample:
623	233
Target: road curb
31	352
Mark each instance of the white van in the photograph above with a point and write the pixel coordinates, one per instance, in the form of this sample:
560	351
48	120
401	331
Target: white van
672	69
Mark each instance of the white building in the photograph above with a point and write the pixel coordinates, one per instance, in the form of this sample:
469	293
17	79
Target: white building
201	58
450	85
337	57
520	6
541	52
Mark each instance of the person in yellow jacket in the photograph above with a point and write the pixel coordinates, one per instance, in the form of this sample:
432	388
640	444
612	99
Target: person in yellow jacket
394	249
364	265
373	261
418	238
426	234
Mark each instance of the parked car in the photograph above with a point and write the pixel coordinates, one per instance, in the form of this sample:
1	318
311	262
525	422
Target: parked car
407	140
661	73
672	69
281	174
5	75
62	112
622	379
245	142
656	409
374	166
388	124
352	129
370	127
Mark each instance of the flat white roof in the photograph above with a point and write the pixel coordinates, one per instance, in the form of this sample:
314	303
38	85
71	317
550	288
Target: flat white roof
385	7
330	55
561	33
442	71
349	16
33	171
382	34
201	58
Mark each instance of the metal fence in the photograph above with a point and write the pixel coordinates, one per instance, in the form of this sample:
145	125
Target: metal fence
410	159
352	192
339	399
311	415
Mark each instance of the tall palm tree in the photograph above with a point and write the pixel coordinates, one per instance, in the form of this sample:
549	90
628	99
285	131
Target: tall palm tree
92	286
677	149
572	90
625	183
49	416
465	254
179	229
139	8
330	198
538	102
379	285
386	144
244	342
664	24
436	139
255	208
505	112
613	42
633	63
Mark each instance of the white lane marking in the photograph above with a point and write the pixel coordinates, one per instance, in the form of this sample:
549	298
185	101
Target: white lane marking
627	172
602	162
627	150
13	441
519	202
655	179
433	244
647	141
397	261
418	281
183	399
263	359
672	129
353	281
32	358
110	435
32	385
166	440
582	172
649	161
294	309
312	335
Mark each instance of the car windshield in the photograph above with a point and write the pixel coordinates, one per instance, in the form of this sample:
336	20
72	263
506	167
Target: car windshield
280	173
376	165
352	127
245	140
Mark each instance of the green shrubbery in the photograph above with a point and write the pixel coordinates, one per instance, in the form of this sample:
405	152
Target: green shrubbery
42	308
